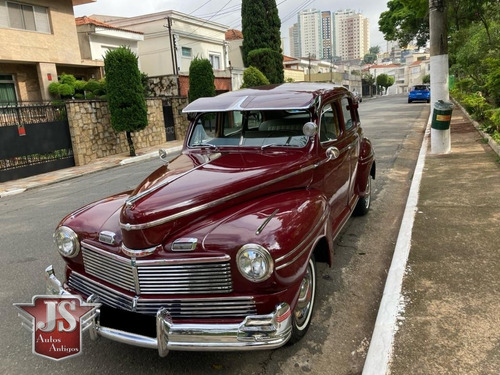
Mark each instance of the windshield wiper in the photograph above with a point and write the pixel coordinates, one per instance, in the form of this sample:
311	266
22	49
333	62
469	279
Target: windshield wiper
276	145
206	144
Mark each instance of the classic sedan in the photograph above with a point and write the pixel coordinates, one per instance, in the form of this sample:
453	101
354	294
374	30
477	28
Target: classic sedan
216	250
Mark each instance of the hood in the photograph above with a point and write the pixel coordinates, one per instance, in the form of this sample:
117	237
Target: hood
198	184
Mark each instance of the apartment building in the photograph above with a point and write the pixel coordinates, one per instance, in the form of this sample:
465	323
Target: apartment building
351	32
294	35
310	35
326	33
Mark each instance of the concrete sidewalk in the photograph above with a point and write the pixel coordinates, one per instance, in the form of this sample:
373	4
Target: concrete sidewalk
18	186
447	320
450	319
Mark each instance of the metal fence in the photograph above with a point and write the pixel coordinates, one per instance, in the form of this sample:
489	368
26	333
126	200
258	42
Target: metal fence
22	113
34	139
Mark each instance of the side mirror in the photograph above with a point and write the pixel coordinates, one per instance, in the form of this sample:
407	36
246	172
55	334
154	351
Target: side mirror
310	128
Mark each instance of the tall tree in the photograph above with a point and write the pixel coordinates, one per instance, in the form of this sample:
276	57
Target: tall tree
260	26
127	105
385	80
269	62
406	21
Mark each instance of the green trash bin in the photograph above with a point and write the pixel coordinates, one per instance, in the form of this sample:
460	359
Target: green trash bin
441	117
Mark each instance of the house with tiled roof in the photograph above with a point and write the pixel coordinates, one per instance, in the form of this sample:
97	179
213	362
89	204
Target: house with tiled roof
95	38
39	42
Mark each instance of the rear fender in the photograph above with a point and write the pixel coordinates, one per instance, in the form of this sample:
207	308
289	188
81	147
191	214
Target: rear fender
366	166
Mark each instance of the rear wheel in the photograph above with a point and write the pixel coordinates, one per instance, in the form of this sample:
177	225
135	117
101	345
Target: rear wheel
364	202
301	316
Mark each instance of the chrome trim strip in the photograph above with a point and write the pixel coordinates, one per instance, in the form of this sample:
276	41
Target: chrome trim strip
214	203
157	262
264	224
131	200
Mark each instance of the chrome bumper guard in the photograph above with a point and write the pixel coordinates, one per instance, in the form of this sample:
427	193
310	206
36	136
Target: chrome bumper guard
254	332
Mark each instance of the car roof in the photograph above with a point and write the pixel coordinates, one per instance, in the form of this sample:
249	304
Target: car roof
297	95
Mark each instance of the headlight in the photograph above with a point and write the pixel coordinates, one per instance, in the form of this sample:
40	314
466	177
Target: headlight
254	262
67	242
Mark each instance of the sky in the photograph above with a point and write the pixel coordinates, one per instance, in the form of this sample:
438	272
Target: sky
229	12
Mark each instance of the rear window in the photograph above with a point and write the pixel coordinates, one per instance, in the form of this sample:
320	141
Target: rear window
420	87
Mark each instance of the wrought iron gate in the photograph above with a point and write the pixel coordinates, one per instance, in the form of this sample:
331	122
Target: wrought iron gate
34	139
168	117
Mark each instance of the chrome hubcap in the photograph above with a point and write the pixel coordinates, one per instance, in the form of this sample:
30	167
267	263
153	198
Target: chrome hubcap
368	192
305	302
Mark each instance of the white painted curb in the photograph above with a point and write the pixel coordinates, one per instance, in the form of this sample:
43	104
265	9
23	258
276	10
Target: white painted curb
7	193
381	345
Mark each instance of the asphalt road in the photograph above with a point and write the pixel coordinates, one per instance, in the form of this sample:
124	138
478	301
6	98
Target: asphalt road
348	293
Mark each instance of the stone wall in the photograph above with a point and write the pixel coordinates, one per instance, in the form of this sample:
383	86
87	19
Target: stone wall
93	137
166	88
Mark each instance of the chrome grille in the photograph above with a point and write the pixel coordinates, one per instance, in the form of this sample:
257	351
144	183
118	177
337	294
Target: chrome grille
198	276
114	270
186	278
233	307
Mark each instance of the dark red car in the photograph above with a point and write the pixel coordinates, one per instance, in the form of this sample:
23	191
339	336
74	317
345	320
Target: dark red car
217	250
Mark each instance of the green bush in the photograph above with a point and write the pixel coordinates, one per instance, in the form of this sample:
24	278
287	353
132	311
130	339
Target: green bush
54	88
253	77
476	105
66	90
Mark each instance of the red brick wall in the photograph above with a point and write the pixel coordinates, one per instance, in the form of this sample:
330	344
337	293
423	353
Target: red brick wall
221	84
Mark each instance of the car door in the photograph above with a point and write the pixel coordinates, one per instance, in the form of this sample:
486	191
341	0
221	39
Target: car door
334	165
352	138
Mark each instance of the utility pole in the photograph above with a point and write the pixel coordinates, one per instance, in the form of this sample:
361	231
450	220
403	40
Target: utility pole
440	139
309	66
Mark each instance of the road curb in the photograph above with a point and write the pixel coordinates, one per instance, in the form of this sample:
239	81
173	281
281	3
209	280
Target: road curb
381	345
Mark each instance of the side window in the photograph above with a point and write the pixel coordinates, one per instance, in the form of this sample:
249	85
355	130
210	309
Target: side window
329	125
232	123
346	111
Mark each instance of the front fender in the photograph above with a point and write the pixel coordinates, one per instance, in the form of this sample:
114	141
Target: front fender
288	224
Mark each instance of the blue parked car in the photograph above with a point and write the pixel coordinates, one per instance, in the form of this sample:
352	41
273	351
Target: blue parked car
419	92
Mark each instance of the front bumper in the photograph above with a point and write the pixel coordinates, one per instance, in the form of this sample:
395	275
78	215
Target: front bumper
267	331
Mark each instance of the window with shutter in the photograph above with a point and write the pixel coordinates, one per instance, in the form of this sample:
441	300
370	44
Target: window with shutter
24	17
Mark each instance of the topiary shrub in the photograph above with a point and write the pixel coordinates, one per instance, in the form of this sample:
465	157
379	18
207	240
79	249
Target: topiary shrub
127	104
201	79
253	77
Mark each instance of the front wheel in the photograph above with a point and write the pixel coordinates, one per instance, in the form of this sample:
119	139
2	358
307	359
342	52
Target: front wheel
301	316
364	202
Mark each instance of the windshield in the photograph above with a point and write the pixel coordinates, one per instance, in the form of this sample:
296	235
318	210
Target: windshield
276	128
